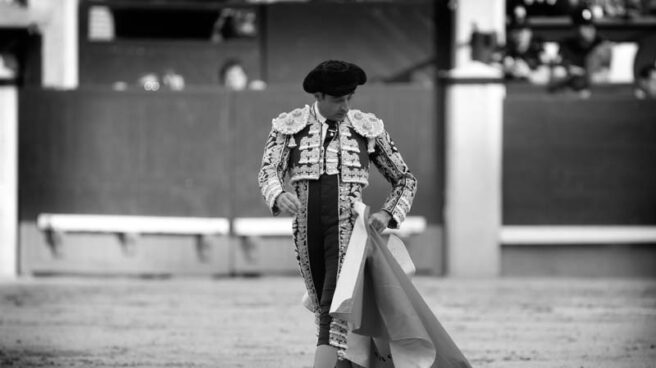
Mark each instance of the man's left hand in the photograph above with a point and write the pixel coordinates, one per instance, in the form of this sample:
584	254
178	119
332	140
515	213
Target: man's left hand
379	220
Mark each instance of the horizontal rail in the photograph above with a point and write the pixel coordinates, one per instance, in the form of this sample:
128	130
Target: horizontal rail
282	226
536	235
133	224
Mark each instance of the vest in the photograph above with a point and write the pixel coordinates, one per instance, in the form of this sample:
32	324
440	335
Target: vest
348	156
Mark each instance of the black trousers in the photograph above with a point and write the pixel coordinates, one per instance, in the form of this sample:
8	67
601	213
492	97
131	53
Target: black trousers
323	245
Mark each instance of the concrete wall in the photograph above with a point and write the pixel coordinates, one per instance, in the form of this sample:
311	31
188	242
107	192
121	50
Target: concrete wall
8	181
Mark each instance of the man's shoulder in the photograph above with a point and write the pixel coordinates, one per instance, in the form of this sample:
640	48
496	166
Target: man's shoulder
293	121
366	124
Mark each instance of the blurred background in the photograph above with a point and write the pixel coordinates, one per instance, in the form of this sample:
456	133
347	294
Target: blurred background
131	131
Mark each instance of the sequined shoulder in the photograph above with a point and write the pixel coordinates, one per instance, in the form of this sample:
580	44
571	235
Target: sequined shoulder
292	122
366	124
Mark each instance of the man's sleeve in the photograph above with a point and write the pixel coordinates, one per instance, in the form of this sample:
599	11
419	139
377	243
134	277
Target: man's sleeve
272	171
389	162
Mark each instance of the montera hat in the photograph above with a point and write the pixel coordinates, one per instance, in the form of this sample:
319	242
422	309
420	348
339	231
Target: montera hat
335	78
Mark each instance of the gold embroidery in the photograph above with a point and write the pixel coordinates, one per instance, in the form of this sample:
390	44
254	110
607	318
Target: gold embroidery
309	142
273	168
300	240
309	156
351	159
366	124
344	129
350	145
315	129
332	158
305	172
355	175
291	122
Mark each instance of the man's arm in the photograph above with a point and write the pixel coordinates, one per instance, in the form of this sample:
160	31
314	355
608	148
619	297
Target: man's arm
272	171
389	162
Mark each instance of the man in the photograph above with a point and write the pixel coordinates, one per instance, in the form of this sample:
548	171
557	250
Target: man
326	149
646	82
586	56
523	54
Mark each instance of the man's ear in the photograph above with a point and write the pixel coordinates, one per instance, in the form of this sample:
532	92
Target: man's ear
318	96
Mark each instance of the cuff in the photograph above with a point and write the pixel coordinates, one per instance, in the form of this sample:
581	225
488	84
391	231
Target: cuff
271	192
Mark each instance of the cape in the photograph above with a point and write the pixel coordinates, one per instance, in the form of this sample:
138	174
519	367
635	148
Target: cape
390	324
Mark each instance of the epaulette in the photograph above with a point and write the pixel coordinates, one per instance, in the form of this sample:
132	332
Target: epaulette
292	122
366	124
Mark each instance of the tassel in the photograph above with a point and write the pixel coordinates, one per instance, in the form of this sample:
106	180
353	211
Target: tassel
371	145
292	142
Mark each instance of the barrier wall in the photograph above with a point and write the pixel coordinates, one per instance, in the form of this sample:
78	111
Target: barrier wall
580	163
570	161
105	152
193	153
196	153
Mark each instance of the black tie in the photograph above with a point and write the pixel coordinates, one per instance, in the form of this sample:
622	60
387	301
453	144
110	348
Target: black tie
330	132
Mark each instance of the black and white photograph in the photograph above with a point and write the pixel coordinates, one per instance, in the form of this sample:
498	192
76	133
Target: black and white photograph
328	183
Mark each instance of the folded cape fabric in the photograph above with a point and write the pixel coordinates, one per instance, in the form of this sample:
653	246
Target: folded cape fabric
390	323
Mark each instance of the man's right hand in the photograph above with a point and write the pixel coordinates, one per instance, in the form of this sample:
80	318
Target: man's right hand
288	202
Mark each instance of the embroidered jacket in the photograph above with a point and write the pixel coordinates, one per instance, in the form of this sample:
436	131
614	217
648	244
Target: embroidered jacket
294	147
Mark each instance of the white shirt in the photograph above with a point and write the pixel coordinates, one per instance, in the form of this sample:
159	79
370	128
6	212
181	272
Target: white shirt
322	119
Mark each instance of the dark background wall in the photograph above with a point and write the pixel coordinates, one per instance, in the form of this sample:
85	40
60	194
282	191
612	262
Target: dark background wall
197	153
579	162
192	153
90	151
198	62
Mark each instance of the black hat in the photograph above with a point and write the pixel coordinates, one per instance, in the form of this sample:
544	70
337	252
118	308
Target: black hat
335	78
582	16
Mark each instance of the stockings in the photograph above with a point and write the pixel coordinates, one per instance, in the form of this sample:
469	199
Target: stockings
326	357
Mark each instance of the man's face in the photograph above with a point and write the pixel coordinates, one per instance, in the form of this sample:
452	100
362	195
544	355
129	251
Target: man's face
587	32
236	78
333	107
521	38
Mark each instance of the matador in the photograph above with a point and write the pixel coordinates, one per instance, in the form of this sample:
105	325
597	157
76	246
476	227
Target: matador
324	151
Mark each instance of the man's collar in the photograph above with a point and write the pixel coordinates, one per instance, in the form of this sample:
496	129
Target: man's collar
320	117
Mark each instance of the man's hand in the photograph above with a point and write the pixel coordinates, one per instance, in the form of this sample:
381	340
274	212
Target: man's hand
380	220
288	202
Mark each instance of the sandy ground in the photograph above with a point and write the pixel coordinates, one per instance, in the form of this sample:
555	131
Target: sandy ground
233	322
